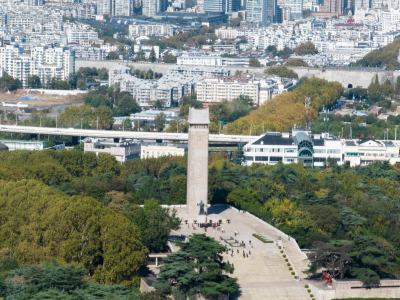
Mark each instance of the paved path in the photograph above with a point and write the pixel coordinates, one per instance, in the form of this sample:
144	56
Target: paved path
264	275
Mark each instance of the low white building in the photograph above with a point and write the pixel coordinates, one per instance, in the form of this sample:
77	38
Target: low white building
199	59
13	145
151	30
122	151
81	35
156	151
317	150
228	33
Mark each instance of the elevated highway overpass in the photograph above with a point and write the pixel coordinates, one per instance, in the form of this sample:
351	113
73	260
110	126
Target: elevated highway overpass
162	136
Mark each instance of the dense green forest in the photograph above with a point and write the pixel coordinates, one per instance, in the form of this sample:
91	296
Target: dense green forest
72	208
56	282
58	197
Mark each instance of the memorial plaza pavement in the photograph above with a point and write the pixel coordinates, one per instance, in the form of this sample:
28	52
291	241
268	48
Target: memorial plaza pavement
264	274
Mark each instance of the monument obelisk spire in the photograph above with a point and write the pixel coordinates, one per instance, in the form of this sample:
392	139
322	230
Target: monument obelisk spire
197	165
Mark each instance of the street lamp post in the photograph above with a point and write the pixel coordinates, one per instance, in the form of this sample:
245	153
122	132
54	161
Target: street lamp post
80	137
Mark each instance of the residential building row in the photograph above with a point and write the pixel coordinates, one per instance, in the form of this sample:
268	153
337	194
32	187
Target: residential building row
211	86
318	150
203	59
168	90
151	30
258	89
45	62
338	41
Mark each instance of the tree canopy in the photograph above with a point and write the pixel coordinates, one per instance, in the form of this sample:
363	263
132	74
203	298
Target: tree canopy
197	268
307	48
296	62
120	103
287	109
281	71
40	223
70	206
59	282
8	83
385	57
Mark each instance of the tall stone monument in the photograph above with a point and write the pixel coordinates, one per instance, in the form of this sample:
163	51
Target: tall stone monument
197	166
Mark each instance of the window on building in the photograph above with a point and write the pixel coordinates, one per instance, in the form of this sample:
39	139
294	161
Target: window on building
275	158
352	154
319	150
261	158
290	150
333	151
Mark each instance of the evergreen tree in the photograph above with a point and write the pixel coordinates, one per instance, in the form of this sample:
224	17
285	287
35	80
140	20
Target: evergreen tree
397	86
198	268
374	90
34	82
152	56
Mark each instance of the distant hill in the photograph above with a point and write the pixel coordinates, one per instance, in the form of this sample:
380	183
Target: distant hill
386	57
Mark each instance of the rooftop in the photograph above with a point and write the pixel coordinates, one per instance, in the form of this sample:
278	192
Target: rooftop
277	138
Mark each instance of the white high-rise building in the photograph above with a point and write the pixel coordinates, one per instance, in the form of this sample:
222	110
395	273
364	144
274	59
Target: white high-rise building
47	63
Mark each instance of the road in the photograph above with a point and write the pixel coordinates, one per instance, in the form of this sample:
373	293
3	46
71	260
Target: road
178	137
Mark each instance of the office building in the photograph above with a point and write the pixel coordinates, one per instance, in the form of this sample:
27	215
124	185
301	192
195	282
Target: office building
292	10
215	6
335	7
150	8
221	6
233	5
260	11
